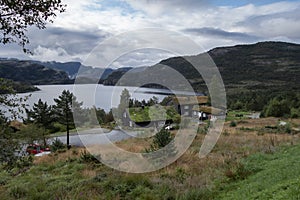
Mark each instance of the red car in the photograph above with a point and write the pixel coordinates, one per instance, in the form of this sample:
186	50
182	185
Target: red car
36	148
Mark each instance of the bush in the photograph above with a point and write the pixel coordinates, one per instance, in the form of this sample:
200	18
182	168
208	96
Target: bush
19	192
87	157
232	124
295	113
130	187
25	161
57	145
161	139
197	194
180	175
238	172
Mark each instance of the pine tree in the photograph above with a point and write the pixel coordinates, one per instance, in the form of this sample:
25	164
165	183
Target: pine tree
65	104
124	102
41	115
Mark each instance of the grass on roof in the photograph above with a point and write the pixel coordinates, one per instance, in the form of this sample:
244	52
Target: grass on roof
152	113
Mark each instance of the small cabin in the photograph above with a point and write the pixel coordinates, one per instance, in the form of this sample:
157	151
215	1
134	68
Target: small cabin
148	116
185	104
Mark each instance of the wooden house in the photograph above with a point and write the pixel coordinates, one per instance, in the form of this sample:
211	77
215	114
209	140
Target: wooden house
147	117
185	104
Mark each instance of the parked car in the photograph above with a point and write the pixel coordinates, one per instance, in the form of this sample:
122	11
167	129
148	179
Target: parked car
36	149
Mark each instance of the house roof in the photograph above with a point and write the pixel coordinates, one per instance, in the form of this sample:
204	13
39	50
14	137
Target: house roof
191	100
151	113
208	109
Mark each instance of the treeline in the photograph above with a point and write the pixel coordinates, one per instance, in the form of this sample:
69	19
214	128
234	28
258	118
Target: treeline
65	114
273	103
42	120
284	105
134	103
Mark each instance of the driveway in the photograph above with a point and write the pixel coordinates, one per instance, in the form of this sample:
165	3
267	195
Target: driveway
94	137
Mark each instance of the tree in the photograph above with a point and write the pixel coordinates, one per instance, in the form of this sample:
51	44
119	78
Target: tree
100	113
65	104
8	143
162	147
17	15
277	108
161	139
124	102
41	115
31	133
11	106
152	101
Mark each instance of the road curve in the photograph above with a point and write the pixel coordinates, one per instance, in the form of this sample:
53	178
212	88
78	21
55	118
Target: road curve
94	137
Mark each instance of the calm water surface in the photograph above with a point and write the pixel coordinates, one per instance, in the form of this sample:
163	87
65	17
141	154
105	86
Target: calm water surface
100	96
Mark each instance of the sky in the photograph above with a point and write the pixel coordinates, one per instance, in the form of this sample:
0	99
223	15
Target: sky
209	23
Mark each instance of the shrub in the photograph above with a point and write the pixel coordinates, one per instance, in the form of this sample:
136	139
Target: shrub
19	192
197	194
295	113
87	157
180	175
232	124
24	161
161	139
57	145
238	172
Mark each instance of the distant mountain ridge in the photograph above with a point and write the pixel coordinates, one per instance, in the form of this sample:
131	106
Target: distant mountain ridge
251	67
31	73
243	67
72	69
41	73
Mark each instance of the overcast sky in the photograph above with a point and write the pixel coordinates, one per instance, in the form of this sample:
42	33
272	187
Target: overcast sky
214	23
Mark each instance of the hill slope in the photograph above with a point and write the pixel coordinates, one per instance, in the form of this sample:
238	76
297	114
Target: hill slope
252	74
31	73
277	177
255	66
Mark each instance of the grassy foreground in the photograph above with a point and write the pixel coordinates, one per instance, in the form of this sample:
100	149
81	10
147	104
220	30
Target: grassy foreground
254	159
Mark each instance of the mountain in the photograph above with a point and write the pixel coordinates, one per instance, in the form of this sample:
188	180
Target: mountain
261	65
72	68
252	74
256	66
9	86
115	75
37	72
31	73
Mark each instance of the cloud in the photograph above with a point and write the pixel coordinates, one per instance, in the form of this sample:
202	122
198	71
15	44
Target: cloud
219	33
45	54
87	23
73	41
162	7
140	58
282	24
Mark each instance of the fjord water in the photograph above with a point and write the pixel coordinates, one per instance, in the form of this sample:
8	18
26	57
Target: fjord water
100	96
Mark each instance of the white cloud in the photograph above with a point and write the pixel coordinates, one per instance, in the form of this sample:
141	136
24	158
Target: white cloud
87	23
162	7
46	54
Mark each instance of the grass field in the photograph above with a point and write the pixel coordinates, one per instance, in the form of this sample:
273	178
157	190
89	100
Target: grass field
256	159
